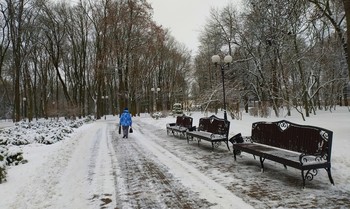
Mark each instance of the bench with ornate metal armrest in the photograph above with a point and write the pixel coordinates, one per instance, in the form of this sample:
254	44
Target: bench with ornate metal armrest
182	124
212	129
307	148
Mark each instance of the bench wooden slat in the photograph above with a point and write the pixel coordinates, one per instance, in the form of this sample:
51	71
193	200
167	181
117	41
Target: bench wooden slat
292	159
207	135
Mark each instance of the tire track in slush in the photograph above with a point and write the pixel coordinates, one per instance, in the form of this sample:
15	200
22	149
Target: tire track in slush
143	183
93	157
101	167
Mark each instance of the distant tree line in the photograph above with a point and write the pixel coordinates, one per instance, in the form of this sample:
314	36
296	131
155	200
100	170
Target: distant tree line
89	57
286	54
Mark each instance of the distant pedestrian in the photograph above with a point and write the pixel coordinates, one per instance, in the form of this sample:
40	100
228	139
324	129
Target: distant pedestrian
125	122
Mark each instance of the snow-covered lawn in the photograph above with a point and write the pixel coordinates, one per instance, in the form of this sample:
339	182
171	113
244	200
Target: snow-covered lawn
93	167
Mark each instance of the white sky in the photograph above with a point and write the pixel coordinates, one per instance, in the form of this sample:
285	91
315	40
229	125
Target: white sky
185	18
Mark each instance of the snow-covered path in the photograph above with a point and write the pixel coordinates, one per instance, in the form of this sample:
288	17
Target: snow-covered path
74	173
159	179
96	168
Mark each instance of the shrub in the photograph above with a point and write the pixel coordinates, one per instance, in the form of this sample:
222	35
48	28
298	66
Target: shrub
14	156
23	133
2	164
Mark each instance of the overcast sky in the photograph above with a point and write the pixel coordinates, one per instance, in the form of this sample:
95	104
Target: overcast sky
185	18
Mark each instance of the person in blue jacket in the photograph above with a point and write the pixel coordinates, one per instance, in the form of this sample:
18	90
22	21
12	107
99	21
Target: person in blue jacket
125	122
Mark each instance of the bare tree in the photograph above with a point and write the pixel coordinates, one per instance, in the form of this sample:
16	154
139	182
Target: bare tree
66	59
15	15
335	12
4	46
279	54
347	48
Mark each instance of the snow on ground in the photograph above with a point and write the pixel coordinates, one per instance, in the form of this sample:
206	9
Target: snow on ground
96	168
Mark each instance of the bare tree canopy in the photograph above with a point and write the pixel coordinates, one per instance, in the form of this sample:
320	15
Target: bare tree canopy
287	54
97	57
92	57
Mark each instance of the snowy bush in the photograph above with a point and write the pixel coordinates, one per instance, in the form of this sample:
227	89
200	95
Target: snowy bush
2	164
3	139
14	156
24	133
9	155
2	171
44	132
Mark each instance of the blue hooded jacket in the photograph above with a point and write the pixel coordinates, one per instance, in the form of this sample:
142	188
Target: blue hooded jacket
125	118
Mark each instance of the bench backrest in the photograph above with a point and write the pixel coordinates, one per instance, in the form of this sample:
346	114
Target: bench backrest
214	125
184	121
309	140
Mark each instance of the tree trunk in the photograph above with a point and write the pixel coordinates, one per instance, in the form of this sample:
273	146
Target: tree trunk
346	48
15	26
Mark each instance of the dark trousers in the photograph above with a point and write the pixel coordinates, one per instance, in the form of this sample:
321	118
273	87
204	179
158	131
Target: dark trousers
125	131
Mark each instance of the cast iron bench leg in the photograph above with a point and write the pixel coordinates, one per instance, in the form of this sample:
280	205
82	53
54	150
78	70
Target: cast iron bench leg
330	175
262	164
302	175
227	146
183	134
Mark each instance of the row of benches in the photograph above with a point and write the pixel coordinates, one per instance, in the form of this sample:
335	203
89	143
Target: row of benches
212	129
307	148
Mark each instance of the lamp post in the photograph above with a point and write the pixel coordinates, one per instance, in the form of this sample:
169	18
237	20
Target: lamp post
217	61
24	108
104	98
155	90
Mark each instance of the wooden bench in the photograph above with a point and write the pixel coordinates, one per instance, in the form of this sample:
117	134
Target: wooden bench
180	127
307	148
212	129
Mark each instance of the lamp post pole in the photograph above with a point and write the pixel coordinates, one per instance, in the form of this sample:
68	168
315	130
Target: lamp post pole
223	90
217	61
24	108
106	106
104	99
155	90
103	105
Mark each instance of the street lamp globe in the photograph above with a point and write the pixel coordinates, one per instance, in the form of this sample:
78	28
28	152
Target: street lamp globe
155	90
227	59
215	59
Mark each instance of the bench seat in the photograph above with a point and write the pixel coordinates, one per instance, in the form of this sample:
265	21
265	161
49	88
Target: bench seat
207	136
212	129
307	148
176	128
180	127
282	156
